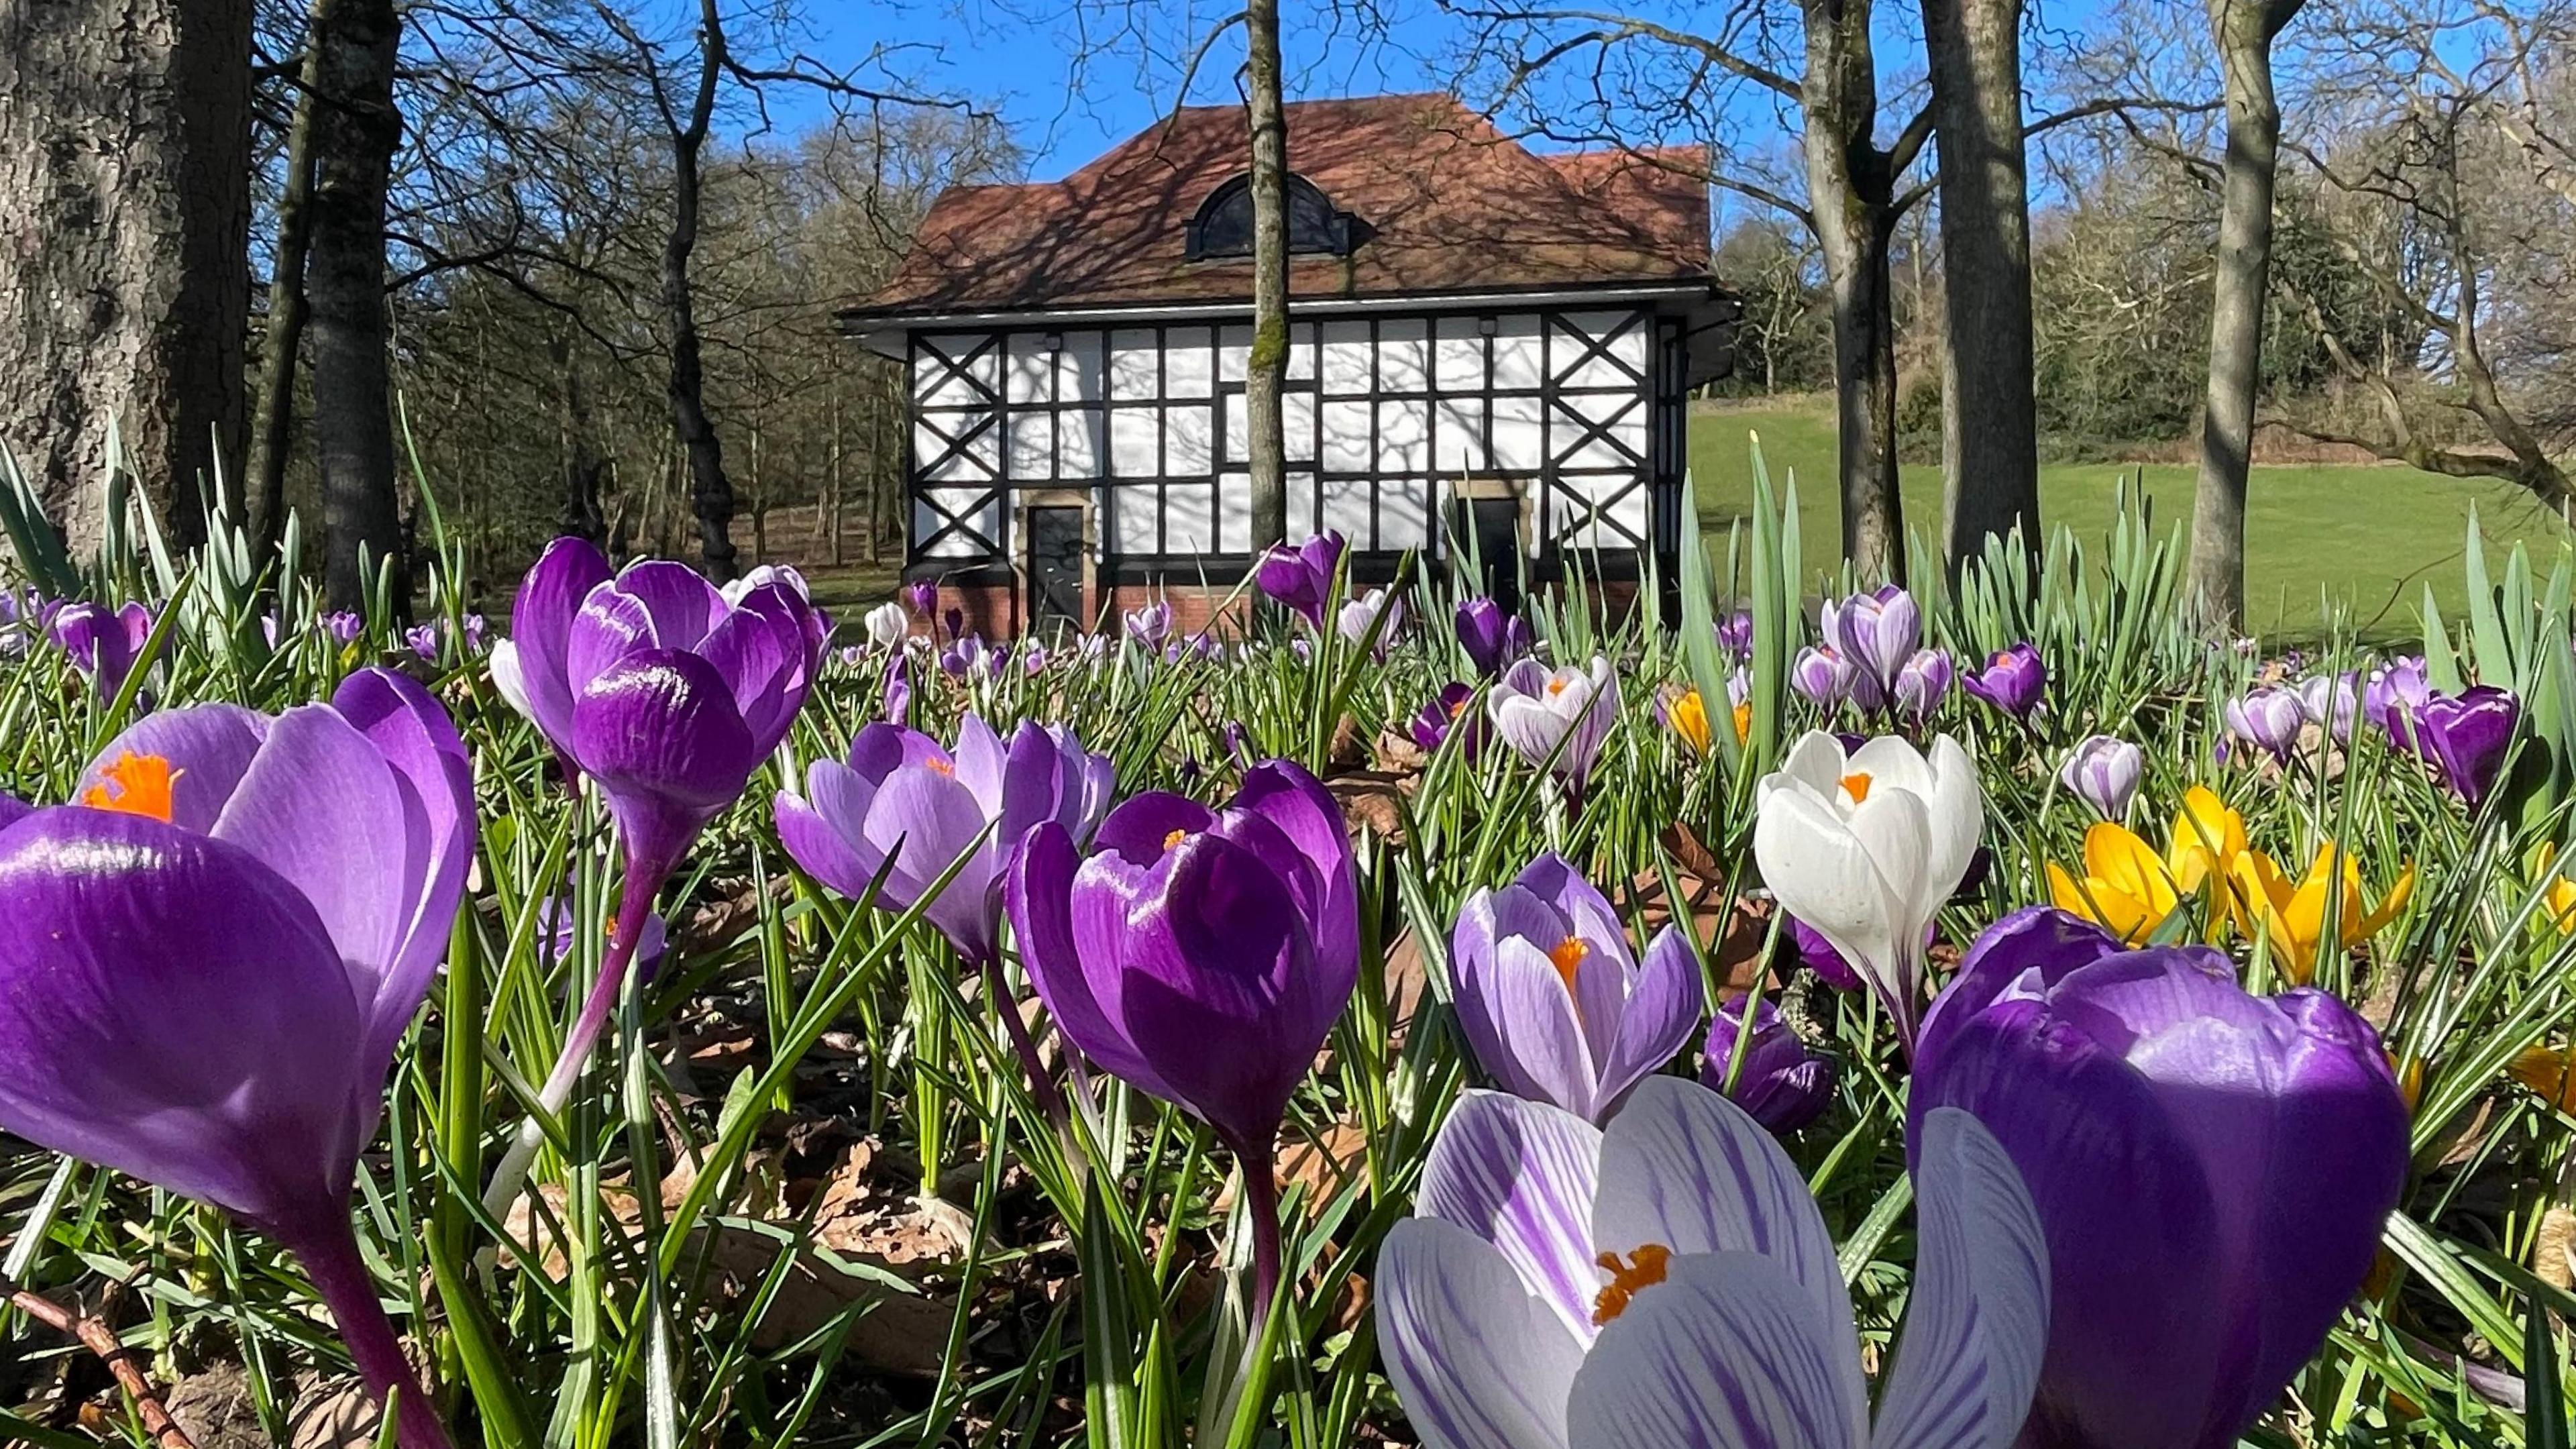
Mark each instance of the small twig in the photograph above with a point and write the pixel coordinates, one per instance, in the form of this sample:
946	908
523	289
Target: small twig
98	1338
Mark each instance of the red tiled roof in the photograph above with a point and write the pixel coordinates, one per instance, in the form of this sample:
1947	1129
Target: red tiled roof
1454	203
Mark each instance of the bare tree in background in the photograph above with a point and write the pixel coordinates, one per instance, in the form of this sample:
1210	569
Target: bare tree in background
1266	368
124	218
2243	31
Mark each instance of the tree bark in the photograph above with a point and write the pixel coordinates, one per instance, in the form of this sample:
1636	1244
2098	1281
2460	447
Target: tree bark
2244	31
1266	372
581	461
354	137
710	492
1850	193
282	341
124	219
1990	427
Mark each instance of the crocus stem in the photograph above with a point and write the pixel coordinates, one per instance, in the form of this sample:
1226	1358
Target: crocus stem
1261	1202
643	881
1050	1100
329	1252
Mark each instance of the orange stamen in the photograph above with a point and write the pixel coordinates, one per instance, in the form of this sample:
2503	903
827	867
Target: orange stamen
134	785
1856	786
1645	1268
1175	838
1568	957
1556	686
1458	709
939	766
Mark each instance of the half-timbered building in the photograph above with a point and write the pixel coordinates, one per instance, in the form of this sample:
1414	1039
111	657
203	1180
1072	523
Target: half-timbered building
1484	338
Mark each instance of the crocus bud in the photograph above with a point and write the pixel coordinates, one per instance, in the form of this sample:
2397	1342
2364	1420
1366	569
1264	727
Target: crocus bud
1781	1083
1301	577
2103	772
423	639
1735	633
1878	632
2013	680
2268	718
1555	1004
1148	625
1200	955
921	596
1534	708
103	643
1822	674
2328	701
2466	737
888	624
2395	694
343	627
1359	614
1491	637
2212	1169
1922	684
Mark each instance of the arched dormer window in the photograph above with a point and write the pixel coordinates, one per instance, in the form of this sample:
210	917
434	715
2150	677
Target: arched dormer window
1223	227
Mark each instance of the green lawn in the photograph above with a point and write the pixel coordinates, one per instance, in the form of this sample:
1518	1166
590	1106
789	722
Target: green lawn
2367	537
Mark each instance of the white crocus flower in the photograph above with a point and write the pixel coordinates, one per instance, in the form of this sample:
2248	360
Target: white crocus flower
1865	849
888	623
1533	707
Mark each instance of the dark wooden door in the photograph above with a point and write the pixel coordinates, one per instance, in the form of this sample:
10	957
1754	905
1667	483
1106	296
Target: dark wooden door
1055	568
1495	524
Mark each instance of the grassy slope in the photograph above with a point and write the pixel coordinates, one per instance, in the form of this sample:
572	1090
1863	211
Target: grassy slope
2368	536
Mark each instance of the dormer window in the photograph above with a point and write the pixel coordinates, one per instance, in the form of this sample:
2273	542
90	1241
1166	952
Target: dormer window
1223	227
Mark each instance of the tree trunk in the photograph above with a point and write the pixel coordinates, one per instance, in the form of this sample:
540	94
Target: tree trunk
1850	185
1990	426
353	433
581	461
273	427
125	223
2244	30
710	492
1266	373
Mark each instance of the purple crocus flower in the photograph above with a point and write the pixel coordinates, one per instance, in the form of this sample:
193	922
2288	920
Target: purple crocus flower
898	689
2329	702
103	643
1784	1085
2212	1168
1380	609
475	629
1822	674
1202	956
207	964
1820	956
1735	633
1149	625
1667	1280
2103	772
1555	1004
1447	713
663	695
922	597
1492	638
2013	681
903	797
1922	684
343	627
1878	631
2396	694
560	928
2268	718
1557	719
1301	577
972	658
2466	737
423	639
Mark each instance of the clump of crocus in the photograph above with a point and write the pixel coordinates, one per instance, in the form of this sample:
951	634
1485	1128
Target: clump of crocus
1781	1083
970	658
1921	684
1878	631
103	643
1668	1281
1202	956
2130	889
2268	718
1447	713
1301	578
1553	1000
664	696
208	962
2212	1169
2291	913
2014	680
2103	771
1150	624
1866	847
1557	719
1492	638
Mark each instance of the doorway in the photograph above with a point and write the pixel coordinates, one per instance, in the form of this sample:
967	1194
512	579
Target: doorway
1055	568
1493	523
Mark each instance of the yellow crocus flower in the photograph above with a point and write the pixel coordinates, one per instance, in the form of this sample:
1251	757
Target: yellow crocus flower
2200	854
2557	892
2292	914
2127	888
1690	721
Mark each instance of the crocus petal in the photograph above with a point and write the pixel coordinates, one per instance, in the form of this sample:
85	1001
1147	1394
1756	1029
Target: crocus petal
207	982
1662	1012
1521	1022
1138	829
1817	761
1726	1353
1284	794
683	605
658	731
1479	1362
1686	1168
1976	1325
541	623
1521	1175
209	747
1040	896
411	730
